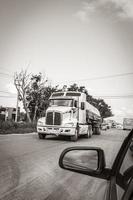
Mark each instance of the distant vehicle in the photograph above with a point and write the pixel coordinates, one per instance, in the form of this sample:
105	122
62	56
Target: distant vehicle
70	115
113	125
119	126
127	123
109	125
104	126
91	161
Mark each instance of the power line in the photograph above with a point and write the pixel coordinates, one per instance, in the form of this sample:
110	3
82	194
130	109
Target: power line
105	77
114	97
7	96
102	77
5	75
5	92
93	78
1	73
95	96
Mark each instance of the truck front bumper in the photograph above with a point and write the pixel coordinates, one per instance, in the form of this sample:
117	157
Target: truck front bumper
48	130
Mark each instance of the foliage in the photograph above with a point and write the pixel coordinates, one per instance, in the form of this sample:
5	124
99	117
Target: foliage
9	127
34	93
22	83
37	96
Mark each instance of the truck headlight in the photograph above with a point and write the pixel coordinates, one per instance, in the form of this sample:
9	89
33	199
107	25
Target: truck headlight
69	124
39	123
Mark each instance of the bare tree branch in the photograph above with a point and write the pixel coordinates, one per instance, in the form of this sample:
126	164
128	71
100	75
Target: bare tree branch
22	83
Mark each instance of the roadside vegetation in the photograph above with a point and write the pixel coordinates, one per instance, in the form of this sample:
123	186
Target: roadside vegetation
34	92
10	127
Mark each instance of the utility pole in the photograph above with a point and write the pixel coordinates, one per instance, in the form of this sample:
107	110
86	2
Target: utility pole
16	116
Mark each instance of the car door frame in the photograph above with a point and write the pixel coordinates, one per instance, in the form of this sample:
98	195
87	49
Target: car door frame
116	178
112	175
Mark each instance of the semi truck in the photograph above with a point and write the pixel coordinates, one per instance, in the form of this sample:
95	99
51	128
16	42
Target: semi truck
69	114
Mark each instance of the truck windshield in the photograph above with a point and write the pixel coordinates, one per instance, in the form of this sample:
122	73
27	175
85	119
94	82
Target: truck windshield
61	102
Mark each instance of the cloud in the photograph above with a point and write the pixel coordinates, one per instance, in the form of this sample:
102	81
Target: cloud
124	112
109	9
120	114
85	11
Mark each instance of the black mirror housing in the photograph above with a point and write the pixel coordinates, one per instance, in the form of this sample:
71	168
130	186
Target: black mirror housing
75	104
81	169
82	105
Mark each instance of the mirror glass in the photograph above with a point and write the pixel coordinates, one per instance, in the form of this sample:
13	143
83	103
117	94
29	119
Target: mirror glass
81	159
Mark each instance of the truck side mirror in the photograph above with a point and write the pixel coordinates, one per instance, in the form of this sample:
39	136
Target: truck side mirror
82	105
75	104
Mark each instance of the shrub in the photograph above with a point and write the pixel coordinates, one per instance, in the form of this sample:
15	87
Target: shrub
7	127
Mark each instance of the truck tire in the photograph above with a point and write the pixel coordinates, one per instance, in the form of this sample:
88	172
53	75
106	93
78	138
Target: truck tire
41	136
96	131
89	132
74	138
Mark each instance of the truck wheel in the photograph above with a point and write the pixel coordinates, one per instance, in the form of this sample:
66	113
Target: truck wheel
41	136
97	131
89	132
74	138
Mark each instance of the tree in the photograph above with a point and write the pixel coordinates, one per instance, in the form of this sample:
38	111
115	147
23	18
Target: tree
38	95
22	83
28	87
35	94
73	87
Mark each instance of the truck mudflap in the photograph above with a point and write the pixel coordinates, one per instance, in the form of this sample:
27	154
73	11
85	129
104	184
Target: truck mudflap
96	129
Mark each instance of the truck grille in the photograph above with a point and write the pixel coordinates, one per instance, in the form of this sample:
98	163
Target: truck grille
53	118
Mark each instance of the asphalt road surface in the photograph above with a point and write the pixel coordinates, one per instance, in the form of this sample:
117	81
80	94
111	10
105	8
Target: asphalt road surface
29	167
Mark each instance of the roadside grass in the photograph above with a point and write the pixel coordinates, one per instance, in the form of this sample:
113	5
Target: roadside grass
9	127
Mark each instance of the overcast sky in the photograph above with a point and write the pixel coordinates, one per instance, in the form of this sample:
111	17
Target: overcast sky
71	41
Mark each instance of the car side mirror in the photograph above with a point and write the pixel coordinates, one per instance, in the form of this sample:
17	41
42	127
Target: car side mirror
84	160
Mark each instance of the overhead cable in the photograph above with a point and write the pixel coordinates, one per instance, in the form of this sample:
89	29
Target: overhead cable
102	77
7	96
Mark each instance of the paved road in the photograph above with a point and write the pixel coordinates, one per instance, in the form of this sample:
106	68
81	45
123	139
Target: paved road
29	167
